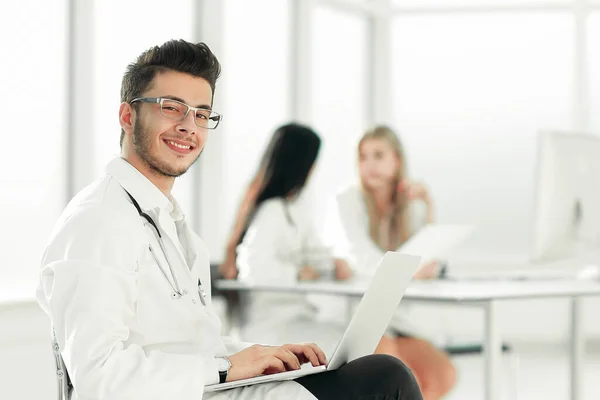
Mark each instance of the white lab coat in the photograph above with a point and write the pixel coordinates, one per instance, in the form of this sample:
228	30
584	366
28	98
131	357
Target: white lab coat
347	231
121	333
279	241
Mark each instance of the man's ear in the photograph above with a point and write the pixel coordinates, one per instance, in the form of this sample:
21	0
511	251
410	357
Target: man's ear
127	117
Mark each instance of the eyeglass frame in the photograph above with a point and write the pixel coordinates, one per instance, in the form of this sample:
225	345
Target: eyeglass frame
160	100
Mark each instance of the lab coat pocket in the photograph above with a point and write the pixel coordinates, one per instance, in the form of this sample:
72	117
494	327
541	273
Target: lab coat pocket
157	310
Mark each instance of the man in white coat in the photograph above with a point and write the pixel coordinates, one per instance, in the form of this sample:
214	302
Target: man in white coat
126	282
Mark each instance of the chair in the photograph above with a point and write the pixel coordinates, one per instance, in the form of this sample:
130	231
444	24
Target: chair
474	349
65	388
232	300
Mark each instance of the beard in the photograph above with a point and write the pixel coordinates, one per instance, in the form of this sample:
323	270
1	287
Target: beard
142	143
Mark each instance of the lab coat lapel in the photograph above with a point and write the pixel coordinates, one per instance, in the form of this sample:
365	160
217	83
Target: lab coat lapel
198	258
167	225
173	245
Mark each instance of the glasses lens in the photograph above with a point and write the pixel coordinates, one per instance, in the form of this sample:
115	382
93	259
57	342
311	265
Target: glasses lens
207	119
173	109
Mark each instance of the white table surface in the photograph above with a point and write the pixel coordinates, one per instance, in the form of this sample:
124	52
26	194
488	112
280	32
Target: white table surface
439	290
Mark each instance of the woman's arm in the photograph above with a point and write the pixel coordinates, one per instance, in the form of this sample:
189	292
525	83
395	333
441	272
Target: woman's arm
228	268
425	214
330	242
259	255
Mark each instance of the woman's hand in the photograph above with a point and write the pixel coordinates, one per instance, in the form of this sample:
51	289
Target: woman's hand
414	190
343	271
228	268
418	191
308	273
429	270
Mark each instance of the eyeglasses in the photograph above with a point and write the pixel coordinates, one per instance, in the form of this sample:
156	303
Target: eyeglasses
176	110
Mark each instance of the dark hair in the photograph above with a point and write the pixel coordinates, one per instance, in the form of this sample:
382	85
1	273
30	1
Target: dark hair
287	161
289	157
174	55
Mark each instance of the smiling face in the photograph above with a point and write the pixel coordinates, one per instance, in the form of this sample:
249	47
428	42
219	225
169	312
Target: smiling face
159	146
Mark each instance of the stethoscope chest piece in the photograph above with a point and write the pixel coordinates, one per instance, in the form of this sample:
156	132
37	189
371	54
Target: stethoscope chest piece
176	293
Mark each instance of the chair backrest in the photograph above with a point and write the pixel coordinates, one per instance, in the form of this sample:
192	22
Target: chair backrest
64	382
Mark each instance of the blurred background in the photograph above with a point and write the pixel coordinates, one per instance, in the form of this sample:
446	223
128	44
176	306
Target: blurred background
468	85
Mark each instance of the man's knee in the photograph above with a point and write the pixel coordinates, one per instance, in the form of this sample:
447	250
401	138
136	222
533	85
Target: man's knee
391	367
391	376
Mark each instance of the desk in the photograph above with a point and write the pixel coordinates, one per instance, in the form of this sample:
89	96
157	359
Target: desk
10	297
484	294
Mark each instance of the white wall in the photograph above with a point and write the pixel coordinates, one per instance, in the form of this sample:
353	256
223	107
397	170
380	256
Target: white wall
32	157
471	92
594	59
339	88
27	367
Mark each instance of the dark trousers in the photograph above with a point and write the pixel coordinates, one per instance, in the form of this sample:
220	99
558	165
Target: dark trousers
375	377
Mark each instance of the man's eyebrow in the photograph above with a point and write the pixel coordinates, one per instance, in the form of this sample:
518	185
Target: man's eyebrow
203	106
173	98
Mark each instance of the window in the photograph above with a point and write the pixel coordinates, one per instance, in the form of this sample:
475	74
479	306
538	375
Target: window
255	98
33	156
473	3
339	96
470	94
594	68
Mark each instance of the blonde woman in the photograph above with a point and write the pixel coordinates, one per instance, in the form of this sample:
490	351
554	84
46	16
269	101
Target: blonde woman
380	215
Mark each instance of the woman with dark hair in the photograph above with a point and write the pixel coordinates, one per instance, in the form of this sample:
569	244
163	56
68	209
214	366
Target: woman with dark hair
280	245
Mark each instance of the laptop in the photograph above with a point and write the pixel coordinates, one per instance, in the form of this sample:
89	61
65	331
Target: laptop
368	324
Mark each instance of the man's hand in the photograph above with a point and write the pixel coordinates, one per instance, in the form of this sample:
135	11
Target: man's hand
307	352
264	360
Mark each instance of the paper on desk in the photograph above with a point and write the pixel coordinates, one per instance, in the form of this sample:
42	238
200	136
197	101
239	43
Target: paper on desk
436	240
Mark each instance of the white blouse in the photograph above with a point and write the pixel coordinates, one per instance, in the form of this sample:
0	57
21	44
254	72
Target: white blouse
279	241
347	231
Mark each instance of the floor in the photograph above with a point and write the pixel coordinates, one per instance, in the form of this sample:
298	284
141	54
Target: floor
538	373
27	366
542	375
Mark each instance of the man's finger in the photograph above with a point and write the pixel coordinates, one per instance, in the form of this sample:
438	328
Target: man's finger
289	358
308	353
296	361
272	365
320	353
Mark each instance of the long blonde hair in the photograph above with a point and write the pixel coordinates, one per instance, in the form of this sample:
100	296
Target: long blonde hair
391	229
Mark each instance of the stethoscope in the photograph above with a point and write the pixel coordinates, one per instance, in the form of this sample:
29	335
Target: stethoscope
177	293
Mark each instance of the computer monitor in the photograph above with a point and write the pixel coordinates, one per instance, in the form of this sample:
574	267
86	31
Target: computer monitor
567	200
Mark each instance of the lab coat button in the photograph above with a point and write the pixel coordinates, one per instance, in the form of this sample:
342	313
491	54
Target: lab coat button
194	301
